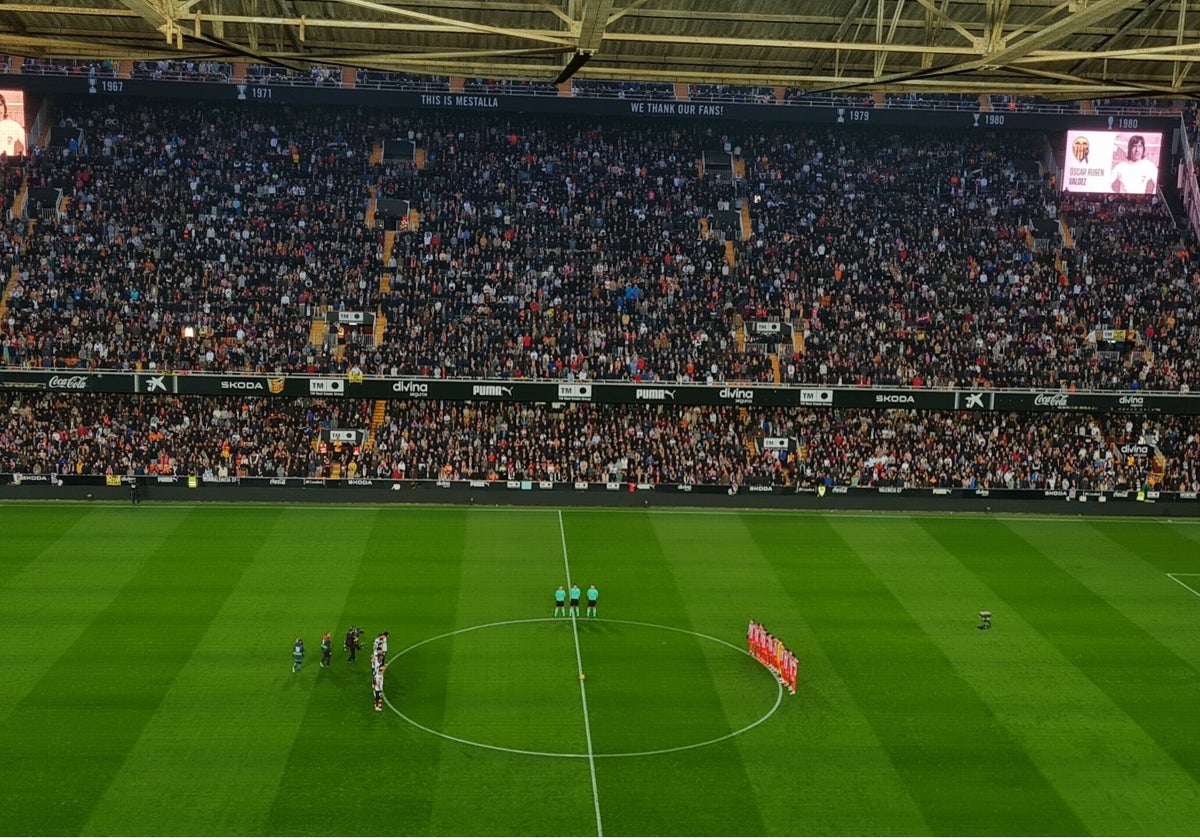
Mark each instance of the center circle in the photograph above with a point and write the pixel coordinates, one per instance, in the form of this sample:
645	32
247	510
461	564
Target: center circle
516	687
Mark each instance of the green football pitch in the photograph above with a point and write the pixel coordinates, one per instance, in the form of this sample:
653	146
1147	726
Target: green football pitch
146	683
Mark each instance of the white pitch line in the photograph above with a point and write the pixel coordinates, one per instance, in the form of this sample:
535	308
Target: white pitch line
1172	576
790	513
587	726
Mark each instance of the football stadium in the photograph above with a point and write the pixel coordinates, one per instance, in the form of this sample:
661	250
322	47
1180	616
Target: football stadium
629	418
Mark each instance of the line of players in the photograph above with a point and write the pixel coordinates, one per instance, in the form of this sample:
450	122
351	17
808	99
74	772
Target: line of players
352	644
560	601
771	652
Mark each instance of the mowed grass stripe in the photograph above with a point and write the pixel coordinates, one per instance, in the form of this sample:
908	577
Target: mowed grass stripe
511	686
353	771
1127	567
946	744
1150	684
26	536
640	579
1054	711
66	567
235	707
85	715
823	737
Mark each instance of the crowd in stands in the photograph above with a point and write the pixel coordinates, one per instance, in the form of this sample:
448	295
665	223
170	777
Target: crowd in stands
571	249
522	87
183	70
232	436
209	237
271	74
401	81
65	67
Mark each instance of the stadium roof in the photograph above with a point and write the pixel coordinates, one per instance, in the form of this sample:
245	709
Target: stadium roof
1065	49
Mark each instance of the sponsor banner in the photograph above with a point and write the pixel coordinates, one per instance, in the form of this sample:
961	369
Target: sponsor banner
974	400
777	444
255	386
244	385
628	393
327	387
165	383
893	398
575	391
90	382
345	317
1125	403
768	327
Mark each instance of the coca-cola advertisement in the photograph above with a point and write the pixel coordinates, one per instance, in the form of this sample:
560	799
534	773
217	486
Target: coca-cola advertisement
68	383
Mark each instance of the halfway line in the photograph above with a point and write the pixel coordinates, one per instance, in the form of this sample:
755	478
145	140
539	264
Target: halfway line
587	726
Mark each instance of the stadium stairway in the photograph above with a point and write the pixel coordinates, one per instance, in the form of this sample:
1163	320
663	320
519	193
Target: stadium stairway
565	89
316	333
985	102
739	168
380	326
1087	106
456	84
239	72
378	415
730	257
376	157
1158	467
700	169
776	368
683	91
389	245
746	229
739	333
8	287
414	220
880	99
125	68
704	227
369	216
18	207
419	159
1068	238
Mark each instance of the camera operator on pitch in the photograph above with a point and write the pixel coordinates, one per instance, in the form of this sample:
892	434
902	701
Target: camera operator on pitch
353	643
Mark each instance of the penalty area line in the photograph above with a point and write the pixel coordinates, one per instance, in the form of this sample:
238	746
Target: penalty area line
1175	576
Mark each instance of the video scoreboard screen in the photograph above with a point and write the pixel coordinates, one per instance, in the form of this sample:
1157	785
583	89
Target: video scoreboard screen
1110	162
14	142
